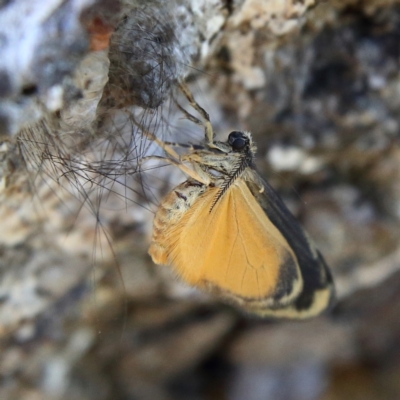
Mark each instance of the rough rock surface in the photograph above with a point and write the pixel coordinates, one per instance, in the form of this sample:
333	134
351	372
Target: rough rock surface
84	314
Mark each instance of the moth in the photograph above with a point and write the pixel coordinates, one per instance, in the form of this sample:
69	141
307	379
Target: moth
226	231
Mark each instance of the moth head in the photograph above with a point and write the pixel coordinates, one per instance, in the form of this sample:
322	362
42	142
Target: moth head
239	141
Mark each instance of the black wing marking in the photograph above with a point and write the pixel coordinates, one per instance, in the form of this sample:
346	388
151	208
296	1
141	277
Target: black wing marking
318	289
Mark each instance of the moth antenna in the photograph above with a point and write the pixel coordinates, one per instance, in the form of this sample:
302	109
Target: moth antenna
241	166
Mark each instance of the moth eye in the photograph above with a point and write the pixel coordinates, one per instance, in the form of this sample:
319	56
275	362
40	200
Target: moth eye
237	140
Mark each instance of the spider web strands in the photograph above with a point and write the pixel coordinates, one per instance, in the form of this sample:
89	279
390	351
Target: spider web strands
102	166
92	142
82	145
92	149
89	169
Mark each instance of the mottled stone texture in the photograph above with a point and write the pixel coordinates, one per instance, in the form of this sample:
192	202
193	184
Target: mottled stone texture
83	312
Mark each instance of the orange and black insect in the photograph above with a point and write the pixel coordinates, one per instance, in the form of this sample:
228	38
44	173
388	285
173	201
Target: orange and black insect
225	230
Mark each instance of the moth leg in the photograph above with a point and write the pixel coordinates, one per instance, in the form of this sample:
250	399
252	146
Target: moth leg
189	116
189	146
260	186
251	176
197	175
209	132
164	145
